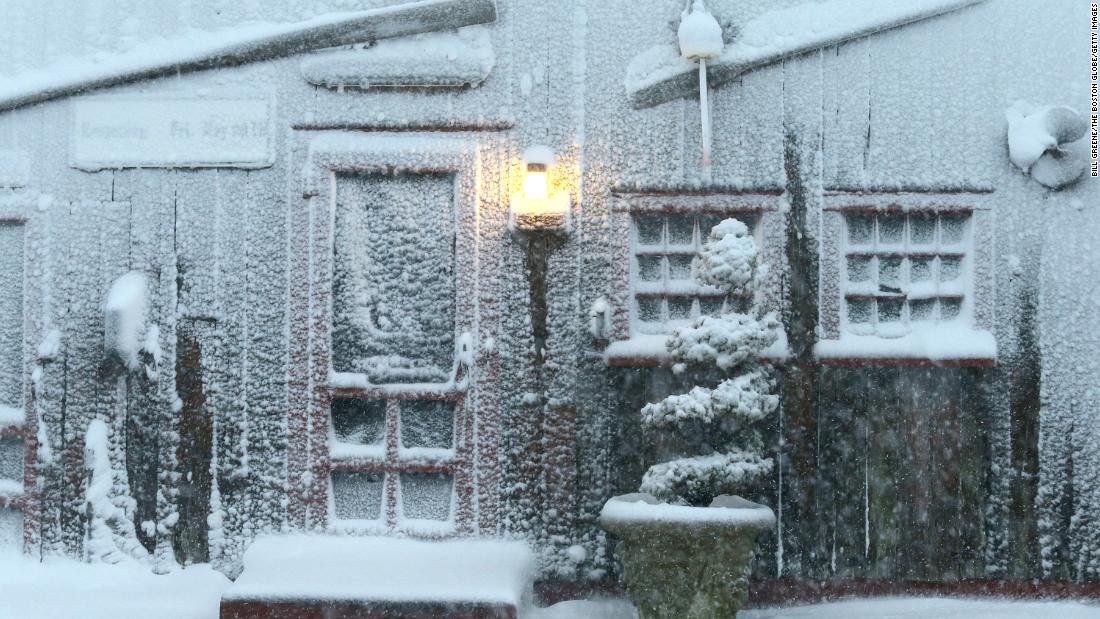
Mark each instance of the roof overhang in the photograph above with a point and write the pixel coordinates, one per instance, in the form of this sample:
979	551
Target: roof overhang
242	45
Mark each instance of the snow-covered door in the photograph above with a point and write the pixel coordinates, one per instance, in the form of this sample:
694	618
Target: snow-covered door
11	386
393	319
397	397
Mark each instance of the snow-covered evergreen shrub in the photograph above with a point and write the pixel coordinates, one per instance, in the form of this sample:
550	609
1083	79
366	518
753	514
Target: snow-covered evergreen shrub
718	425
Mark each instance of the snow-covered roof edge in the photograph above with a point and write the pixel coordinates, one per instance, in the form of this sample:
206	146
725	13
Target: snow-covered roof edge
249	43
659	74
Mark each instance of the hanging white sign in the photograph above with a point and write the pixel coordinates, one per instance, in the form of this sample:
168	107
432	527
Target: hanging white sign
140	132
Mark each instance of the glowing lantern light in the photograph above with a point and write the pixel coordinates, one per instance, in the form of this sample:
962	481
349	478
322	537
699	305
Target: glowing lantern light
537	207
539	159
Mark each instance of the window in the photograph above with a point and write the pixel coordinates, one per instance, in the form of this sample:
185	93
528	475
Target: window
665	295
904	269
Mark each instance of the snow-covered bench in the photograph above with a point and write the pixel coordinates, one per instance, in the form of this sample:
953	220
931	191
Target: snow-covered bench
368	577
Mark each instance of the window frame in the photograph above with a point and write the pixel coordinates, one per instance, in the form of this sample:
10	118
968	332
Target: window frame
630	348
976	317
935	251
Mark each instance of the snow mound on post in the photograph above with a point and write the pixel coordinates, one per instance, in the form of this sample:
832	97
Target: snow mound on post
126	310
110	536
699	34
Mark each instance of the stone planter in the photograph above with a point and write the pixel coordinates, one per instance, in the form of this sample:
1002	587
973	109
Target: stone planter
682	562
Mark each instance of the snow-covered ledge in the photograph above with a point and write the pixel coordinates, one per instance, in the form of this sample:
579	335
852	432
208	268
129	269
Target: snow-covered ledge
435	59
941	345
652	351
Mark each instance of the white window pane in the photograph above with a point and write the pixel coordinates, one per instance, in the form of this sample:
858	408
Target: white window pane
950	308
649	268
681	230
891	229
889	275
921	310
650	228
889	310
357	496
710	306
920	269
649	310
950	267
922	229
861	310
426	496
861	229
679	308
679	267
859	269
953	229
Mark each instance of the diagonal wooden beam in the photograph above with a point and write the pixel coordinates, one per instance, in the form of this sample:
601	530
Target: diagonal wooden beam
240	46
659	74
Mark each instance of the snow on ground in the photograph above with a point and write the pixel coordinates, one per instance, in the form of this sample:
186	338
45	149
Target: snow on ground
881	608
70	590
65	589
929	608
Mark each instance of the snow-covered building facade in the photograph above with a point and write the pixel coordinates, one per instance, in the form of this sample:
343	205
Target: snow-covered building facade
261	277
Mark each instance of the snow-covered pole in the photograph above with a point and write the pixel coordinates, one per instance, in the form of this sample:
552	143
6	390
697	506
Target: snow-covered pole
704	113
700	38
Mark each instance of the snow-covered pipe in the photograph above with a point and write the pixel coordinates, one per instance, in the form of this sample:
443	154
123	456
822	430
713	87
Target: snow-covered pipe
700	38
704	112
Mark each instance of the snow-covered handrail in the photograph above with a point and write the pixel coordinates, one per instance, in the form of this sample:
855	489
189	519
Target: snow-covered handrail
240	45
660	74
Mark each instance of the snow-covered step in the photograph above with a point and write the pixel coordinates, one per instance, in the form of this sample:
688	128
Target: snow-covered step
327	575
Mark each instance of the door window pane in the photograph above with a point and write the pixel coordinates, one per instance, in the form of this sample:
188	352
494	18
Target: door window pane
427	423
362	422
358	496
426	496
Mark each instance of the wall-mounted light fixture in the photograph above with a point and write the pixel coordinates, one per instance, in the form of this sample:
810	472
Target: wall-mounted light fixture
538	207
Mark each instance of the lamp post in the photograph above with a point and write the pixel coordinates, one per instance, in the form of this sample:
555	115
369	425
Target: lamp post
700	39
